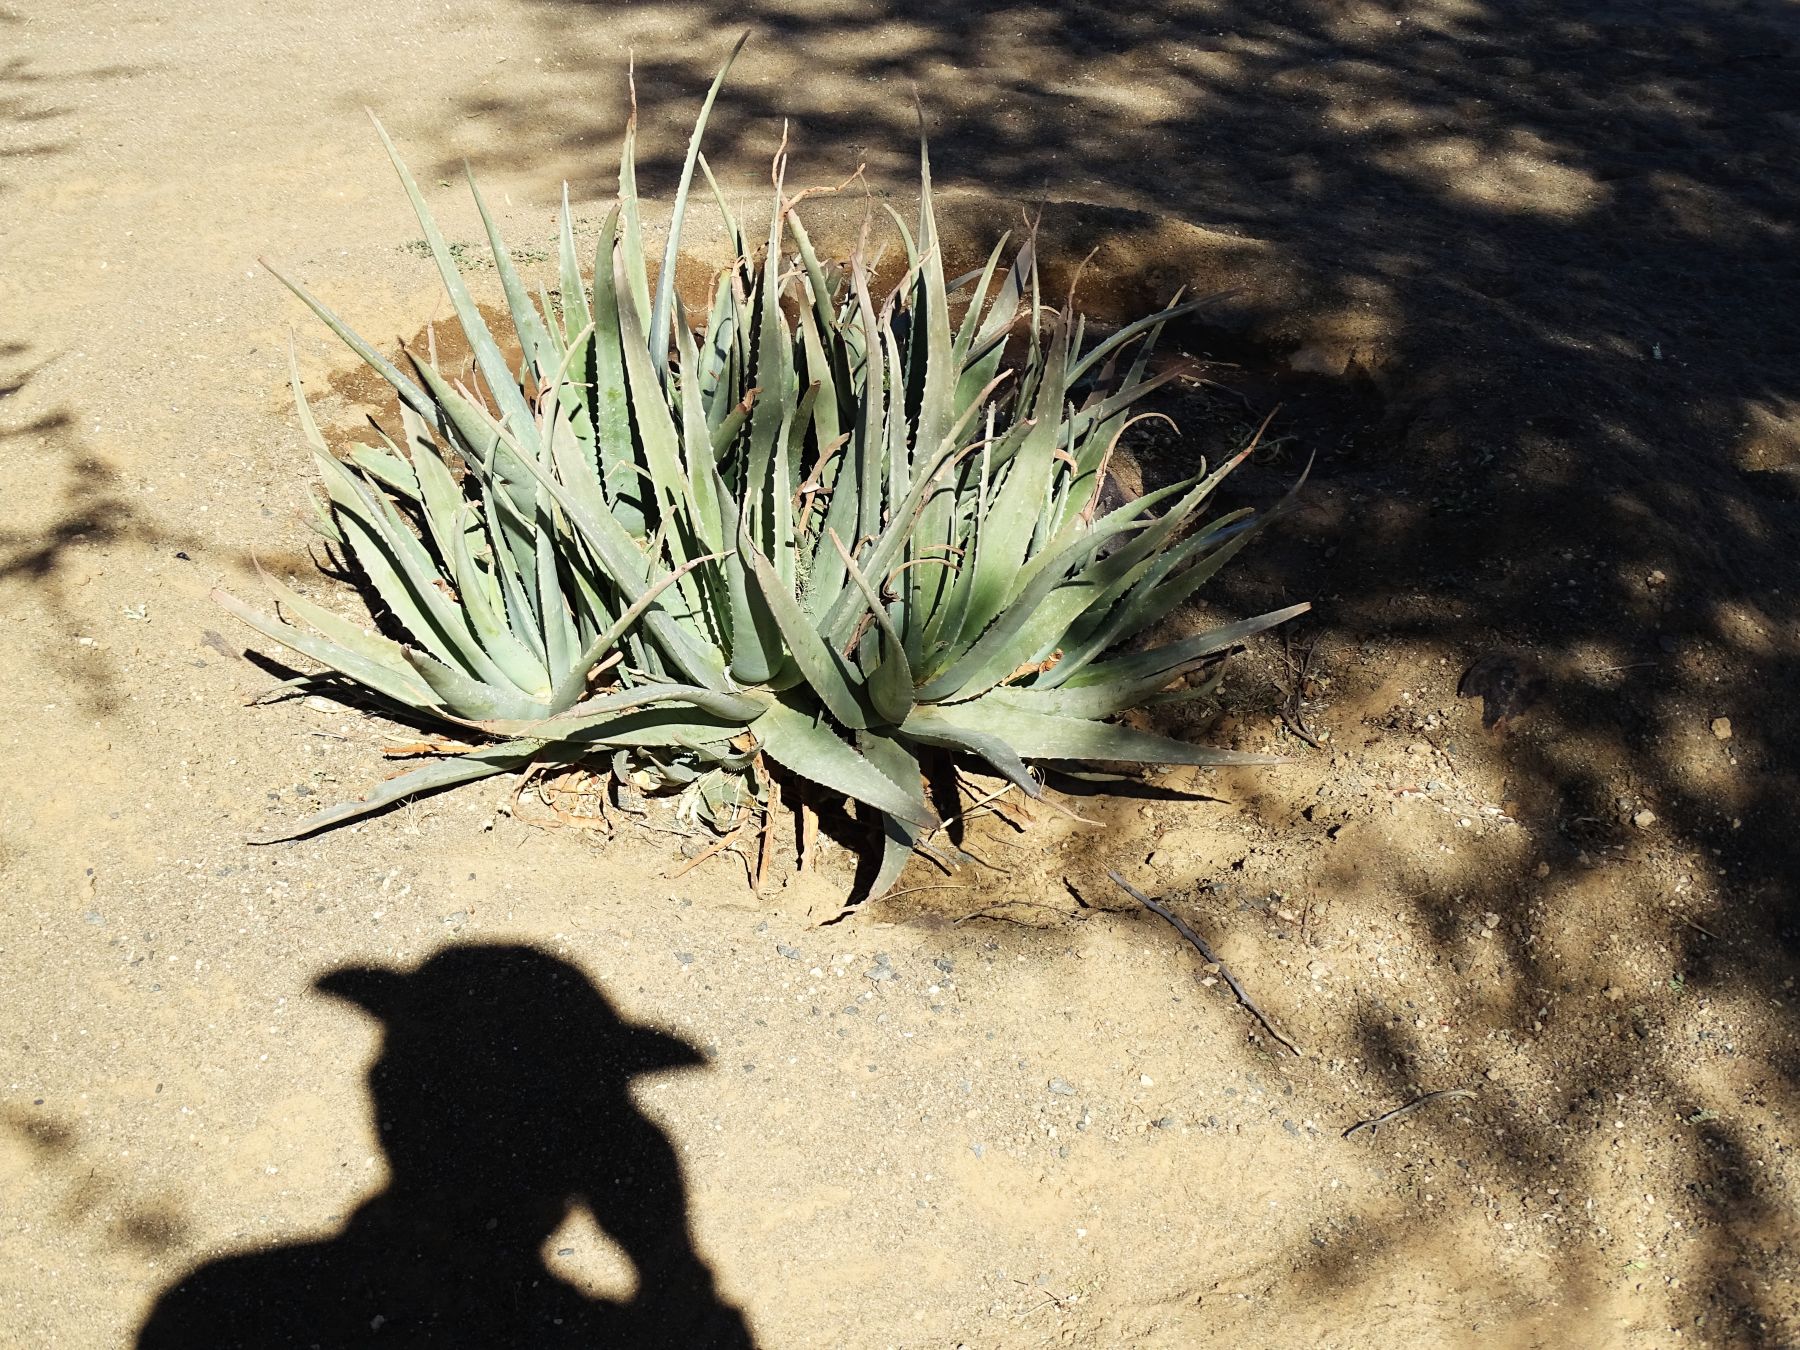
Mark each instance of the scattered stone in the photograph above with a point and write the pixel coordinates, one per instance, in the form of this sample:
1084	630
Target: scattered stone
1508	685
1613	993
1291	1128
686	958
880	973
1543	870
1656	578
792	953
1493	1075
1721	728
1061	1089
457	919
1644	819
94	917
1490	920
944	964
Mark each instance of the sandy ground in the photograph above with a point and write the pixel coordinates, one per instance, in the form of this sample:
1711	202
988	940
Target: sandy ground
1525	280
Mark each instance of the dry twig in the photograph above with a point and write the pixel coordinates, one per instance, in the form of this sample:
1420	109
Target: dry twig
1158	908
1293	712
1375	1123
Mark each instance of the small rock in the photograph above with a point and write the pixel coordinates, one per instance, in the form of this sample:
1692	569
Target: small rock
1508	684
459	917
944	964
1493	1075
94	917
1644	819
1543	870
1656	578
686	958
1613	993
792	953
1721	728
880	973
1490	920
1290	1127
1061	1089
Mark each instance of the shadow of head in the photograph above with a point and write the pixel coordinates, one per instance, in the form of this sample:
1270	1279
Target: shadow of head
501	1100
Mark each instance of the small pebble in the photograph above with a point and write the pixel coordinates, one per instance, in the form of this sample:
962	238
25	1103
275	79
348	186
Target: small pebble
1644	819
792	953
1490	920
1721	728
1061	1089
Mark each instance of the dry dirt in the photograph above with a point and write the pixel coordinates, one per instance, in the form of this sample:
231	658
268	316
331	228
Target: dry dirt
1523	277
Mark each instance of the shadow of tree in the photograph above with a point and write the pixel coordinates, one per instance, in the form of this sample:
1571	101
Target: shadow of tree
29	125
501	1103
92	1191
43	537
1554	245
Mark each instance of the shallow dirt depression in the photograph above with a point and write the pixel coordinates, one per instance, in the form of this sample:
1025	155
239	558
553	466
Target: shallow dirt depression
1022	1112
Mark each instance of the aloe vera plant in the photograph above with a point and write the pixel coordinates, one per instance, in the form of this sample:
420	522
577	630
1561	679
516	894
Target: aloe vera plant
837	529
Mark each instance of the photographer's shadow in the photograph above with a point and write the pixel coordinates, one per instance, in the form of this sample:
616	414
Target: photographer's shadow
500	1098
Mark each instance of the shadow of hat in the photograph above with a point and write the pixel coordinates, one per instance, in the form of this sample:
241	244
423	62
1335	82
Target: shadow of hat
507	1002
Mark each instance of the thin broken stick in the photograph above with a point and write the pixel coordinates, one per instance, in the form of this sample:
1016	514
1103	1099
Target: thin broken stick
1158	908
1374	1124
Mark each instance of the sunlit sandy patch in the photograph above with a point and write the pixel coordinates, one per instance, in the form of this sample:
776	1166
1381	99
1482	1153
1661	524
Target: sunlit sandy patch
1519	175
